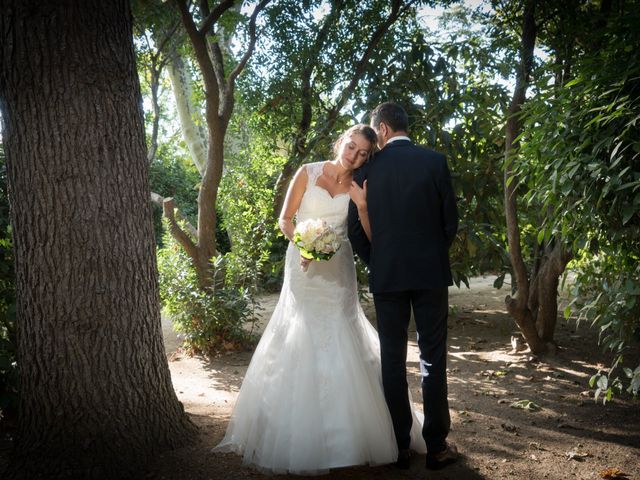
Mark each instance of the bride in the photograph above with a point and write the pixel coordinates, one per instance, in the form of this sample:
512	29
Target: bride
312	397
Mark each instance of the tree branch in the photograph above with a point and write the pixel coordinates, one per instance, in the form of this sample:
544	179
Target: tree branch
168	36
205	10
217	61
382	29
155	105
177	232
214	15
511	144
306	97
158	200
228	100
189	115
199	43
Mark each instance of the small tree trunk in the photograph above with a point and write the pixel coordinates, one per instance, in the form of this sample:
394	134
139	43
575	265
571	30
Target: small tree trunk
191	120
548	280
96	399
155	106
518	307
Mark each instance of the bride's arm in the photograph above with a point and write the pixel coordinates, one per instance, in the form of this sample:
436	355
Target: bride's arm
359	197
292	201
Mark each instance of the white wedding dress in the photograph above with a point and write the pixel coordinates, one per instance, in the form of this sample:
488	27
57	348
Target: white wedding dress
312	397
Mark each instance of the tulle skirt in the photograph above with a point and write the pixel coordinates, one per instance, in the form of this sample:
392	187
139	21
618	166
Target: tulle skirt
312	397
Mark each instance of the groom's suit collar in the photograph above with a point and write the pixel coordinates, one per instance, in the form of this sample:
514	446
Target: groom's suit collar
397	141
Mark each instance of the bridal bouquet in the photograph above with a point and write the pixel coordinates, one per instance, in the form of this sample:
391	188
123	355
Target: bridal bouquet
316	239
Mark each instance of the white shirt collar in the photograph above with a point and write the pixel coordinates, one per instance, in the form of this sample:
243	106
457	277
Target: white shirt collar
400	137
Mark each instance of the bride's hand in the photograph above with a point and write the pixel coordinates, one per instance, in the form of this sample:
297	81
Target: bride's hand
304	263
358	195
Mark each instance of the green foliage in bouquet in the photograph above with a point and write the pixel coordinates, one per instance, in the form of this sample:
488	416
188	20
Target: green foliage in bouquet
310	254
207	321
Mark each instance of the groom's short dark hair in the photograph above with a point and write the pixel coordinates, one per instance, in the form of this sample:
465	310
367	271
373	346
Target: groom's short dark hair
392	114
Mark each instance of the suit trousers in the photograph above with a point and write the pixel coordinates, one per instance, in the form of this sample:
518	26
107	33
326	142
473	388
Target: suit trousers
430	311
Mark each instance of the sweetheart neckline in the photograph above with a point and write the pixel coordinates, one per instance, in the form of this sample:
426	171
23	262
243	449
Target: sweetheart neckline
333	197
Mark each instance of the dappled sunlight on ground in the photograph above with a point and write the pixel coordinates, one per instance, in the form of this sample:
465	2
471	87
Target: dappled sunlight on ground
564	434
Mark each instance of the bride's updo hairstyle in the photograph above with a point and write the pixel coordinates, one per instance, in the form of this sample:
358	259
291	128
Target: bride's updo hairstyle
366	131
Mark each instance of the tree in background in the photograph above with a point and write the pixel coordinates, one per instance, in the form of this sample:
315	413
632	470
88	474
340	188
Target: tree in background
580	161
309	70
534	304
205	287
449	82
160	44
219	70
96	399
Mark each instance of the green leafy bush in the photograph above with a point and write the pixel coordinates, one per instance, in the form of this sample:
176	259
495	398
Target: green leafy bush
207	321
8	363
606	294
581	155
171	175
257	247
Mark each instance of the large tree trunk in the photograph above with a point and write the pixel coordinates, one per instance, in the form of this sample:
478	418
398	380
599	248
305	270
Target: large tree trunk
96	399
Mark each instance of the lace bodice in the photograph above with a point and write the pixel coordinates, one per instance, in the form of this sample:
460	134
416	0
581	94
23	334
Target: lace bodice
317	202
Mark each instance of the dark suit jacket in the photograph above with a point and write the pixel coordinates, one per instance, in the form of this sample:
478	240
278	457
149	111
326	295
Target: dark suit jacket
413	216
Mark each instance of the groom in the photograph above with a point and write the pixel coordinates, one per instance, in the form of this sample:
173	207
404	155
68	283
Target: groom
413	220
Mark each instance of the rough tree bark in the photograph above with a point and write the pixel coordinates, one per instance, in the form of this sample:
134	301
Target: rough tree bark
96	399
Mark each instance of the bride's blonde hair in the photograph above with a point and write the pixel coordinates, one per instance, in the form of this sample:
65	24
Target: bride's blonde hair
366	131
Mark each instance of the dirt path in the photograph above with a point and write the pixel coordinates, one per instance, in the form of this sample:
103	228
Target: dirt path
570	437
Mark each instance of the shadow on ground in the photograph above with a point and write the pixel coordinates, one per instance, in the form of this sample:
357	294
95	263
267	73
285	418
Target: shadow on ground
569	436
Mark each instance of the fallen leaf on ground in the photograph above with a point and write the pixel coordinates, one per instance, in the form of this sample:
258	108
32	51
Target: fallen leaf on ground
537	446
573	455
613	473
526	405
509	427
